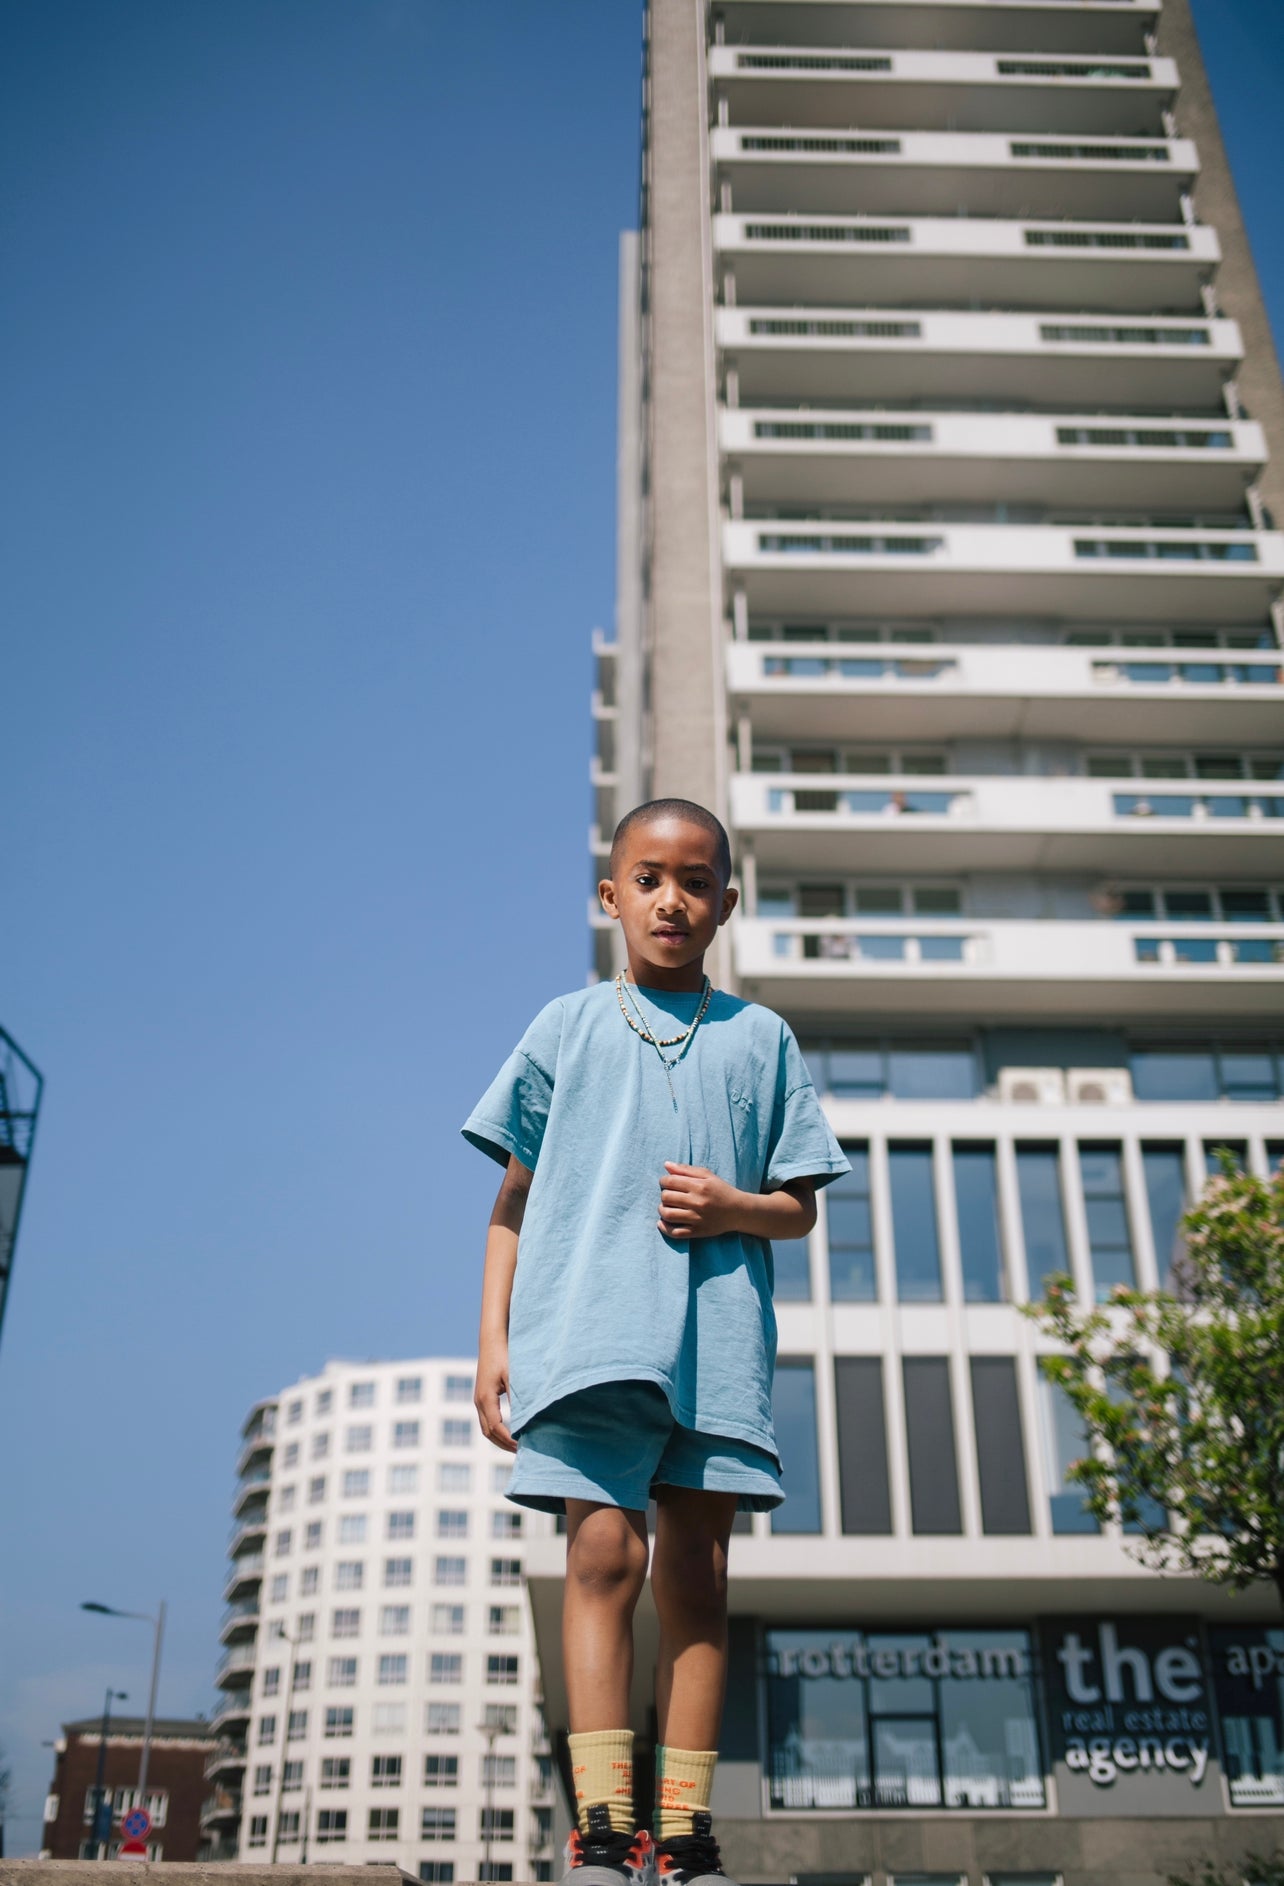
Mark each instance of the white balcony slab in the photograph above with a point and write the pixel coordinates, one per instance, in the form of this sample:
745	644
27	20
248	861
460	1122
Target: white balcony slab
938	173
901	260
962	90
1140	573
838	691
1043	359
1004	967
1011	823
793	455
977	25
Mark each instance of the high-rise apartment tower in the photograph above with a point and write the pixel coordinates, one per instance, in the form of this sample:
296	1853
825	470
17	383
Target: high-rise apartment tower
379	1685
951	434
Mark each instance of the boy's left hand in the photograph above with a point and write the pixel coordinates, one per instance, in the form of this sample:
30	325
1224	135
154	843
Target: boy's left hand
696	1203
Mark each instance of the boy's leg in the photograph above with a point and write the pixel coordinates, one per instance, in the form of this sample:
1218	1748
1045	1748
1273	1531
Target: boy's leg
606	1558
689	1583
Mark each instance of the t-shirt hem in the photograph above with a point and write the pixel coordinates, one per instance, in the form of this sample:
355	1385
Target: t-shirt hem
605	1372
488	1135
822	1171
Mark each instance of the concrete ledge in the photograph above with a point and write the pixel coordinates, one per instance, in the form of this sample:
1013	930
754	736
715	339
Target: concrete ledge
194	1873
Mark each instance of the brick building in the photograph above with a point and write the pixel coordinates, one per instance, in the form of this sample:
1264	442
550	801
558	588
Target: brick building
175	1786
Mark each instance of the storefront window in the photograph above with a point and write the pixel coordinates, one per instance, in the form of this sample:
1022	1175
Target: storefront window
1248	1682
902	1719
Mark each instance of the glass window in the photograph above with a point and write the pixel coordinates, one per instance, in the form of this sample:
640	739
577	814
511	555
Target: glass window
932	900
1248	1677
856	1073
1185	906
382	1823
794	1408
1064	1441
405	1434
944	1073
456	1433
356	1483
852	1276
1042	1216
929	1434
409	1388
445	1667
361	1395
442	1719
877	900
447	1620
902	1720
394	1620
1213	1150
862	1445
341	1672
977	1197
1109	1239
437	1823
1245	906
403	1478
336	1770
454	1476
1248	1075
401	1525
352	1529
393	1668
397	1571
458	1388
437	1872
918	1257
1000	1446
1165	1173
450	1571
1175	1074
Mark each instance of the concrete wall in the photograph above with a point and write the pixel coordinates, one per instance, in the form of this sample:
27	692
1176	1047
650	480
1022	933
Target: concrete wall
1238	288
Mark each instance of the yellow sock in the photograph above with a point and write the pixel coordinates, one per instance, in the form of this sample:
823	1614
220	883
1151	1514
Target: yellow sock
683	1784
602	1764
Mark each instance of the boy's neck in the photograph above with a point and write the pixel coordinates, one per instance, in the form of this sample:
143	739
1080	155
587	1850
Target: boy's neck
686	980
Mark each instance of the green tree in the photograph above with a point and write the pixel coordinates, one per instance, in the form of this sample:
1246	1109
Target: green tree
1181	1395
1259	1869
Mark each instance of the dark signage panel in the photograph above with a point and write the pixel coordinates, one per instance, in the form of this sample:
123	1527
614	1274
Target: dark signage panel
1130	1717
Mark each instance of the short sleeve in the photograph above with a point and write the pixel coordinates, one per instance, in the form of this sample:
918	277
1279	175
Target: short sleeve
511	1115
802	1142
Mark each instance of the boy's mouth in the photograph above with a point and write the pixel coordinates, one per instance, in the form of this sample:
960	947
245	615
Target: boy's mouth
670	933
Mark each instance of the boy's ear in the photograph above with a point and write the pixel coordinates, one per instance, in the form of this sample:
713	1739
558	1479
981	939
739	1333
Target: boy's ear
730	898
606	892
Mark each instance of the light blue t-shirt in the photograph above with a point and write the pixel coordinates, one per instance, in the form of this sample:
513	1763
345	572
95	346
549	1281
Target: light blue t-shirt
600	1293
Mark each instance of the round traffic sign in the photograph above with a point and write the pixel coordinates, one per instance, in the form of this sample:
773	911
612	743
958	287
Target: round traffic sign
137	1824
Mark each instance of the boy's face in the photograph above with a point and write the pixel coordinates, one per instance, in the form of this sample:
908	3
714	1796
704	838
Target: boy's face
668	894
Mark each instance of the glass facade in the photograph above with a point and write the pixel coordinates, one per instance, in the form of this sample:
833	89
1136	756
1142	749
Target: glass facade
852	1276
1065	1440
1164	1169
902	1720
1106	1210
1248	1684
1043	1220
976	1196
794	1410
913	1199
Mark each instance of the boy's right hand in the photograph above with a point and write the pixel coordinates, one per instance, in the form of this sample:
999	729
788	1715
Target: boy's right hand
492	1382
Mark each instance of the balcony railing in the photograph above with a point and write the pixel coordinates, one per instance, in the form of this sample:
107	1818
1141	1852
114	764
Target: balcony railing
805	86
1000	262
1005	690
235	1659
943	965
1119	573
1087	27
226	1757
857	352
1023	823
791	455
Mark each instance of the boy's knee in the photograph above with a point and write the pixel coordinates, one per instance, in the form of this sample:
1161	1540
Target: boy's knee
606	1555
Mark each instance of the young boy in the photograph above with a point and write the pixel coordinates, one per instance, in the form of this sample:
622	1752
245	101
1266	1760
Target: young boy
655	1135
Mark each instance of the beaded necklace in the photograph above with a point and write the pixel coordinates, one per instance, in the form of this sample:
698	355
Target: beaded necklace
661	1042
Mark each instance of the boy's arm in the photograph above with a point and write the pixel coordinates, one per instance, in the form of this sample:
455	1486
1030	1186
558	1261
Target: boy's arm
695	1203
497	1291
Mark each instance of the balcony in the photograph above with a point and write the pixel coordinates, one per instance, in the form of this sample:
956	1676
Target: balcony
1004	967
939	173
800	455
1090	26
221	1808
253	1485
1043	360
1138	573
904	261
232	1716
252	1528
960	823
226	1758
244	1572
1091	95
240	1620
1009	691
236	1663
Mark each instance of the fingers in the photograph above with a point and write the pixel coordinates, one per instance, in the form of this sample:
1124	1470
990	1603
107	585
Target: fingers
490	1418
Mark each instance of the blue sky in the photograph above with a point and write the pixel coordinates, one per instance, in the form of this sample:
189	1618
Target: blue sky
309	329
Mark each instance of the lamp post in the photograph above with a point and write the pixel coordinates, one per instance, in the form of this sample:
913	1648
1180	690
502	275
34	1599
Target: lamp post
158	1621
100	1770
280	1633
490	1728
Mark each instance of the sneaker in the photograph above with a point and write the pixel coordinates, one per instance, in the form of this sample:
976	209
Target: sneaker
690	1858
602	1857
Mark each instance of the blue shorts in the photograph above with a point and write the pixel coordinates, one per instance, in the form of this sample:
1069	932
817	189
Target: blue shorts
616	1443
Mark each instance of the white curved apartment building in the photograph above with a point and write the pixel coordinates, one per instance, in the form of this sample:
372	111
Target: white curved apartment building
379	1689
950	481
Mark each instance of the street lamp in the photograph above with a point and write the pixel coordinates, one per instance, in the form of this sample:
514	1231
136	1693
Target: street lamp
279	1633
491	1726
144	1617
96	1831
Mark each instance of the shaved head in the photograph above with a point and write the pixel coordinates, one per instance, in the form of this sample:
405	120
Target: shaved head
686	809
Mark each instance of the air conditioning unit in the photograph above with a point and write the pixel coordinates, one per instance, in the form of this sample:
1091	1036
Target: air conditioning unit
1099	1086
1032	1086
